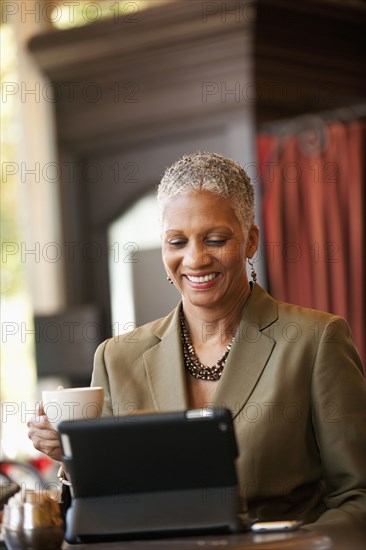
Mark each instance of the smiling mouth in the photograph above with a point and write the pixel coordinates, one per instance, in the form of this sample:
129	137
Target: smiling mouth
202	279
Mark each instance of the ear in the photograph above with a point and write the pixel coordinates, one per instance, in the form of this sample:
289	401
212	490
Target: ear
252	240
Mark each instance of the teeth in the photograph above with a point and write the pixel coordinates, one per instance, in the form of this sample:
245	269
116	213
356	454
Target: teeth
204	279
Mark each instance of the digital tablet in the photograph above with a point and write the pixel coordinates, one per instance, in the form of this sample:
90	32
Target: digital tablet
151	474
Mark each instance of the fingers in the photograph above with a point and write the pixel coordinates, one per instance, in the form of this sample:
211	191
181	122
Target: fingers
40	409
40	425
39	419
38	413
43	435
46	441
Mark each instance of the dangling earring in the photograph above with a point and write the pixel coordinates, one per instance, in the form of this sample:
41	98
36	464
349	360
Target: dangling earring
169	279
252	270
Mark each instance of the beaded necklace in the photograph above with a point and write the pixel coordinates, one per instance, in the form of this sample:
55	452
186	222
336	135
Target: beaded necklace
191	361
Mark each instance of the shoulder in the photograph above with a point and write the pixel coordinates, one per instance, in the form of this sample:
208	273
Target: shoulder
291	323
327	334
313	326
267	310
135	342
289	311
306	315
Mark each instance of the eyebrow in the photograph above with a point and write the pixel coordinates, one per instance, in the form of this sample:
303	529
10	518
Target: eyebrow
216	228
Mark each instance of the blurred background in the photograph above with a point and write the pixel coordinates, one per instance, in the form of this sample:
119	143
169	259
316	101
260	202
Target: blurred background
98	98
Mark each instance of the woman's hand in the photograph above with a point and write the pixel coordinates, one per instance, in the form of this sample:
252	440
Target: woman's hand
43	435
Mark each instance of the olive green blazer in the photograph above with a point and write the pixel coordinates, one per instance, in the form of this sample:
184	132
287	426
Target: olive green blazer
294	383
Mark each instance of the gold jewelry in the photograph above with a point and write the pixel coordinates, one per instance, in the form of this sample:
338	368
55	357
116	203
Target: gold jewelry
61	476
191	361
252	271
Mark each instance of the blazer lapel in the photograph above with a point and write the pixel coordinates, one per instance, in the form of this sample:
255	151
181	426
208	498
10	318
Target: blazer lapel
164	366
249	354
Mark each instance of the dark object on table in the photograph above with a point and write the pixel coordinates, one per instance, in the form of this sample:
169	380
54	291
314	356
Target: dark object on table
151	475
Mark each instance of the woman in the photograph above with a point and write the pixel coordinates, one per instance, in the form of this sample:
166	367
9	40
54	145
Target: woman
291	376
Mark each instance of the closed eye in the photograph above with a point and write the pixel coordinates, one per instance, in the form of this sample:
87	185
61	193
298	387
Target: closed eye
177	243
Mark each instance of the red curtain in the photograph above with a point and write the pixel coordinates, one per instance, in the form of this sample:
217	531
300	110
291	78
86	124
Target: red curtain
313	218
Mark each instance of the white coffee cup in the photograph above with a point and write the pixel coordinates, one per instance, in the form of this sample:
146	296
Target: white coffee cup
73	404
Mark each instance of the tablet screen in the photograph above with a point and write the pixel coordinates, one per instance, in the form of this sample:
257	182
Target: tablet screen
150	452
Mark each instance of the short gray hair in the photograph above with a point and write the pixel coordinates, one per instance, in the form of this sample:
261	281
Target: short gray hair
214	173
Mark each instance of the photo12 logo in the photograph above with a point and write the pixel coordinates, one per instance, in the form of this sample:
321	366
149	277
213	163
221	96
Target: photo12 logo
229	11
70	92
69	13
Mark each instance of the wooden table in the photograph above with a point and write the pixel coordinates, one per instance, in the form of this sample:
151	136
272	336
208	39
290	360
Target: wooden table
297	540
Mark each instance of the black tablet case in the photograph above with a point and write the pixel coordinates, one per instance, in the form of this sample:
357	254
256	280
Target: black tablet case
150	475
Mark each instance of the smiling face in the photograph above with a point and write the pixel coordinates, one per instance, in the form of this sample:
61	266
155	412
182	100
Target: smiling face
204	250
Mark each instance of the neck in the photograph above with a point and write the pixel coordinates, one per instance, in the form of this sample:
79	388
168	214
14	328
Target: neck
214	324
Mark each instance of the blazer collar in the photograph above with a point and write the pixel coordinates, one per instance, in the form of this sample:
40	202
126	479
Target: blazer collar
248	356
164	365
250	352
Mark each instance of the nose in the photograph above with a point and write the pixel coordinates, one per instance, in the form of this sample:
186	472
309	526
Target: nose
196	256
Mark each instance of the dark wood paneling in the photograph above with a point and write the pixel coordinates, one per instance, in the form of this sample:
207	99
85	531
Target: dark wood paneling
309	56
